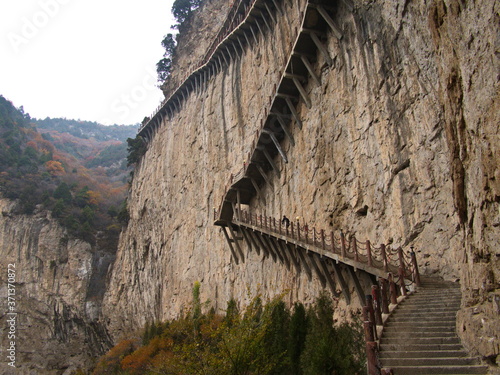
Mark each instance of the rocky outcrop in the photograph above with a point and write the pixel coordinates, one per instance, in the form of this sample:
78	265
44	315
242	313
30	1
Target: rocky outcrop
400	145
58	292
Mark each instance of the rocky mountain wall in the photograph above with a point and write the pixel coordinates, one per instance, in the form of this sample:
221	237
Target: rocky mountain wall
400	145
57	295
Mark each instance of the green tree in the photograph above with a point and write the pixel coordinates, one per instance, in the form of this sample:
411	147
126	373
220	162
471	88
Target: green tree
63	192
136	149
298	333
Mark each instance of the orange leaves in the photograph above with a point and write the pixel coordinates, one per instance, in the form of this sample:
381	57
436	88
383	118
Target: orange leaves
55	168
94	197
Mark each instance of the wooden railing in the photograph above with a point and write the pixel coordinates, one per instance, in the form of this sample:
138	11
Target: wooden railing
233	21
392	261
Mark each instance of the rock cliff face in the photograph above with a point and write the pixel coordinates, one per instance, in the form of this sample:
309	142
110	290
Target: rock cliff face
58	292
400	145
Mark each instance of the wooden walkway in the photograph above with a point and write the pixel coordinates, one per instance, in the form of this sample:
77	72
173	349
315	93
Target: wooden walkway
310	250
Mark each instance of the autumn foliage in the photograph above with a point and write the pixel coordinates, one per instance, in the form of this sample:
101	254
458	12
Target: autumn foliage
83	181
263	339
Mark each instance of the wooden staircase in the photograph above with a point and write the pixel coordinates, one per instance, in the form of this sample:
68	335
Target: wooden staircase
420	337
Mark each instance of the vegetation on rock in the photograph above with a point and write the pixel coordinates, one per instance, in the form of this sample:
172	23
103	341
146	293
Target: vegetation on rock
80	179
262	339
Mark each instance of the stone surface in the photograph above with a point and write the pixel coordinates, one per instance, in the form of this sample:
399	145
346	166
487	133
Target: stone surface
57	324
400	146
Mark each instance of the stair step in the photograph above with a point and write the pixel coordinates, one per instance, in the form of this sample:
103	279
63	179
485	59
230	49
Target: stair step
394	347
415	335
384	354
422	340
442	370
450	361
420	328
429	324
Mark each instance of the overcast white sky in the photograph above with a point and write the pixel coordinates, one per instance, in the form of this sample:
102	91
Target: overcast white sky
83	59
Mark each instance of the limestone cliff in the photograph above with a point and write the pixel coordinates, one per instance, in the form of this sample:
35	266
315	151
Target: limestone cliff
59	284
400	145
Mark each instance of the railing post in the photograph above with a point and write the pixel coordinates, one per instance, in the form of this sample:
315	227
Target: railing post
355	248
393	290
323	239
293	234
332	238
298	230
416	274
370	346
369	253
306	230
384	258
376	304
369	304
401	271
260	216
342	244
384	296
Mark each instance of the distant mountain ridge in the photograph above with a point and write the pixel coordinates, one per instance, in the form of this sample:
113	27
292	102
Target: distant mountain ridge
87	129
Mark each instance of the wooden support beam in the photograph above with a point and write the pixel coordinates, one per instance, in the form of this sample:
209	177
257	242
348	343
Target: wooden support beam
270	13
229	53
340	279
291	255
260	29
276	143
277	7
272	249
235	50
236	242
265	245
319	272
321	47
269	159
297	76
336	31
302	92
256	187
285	129
357	285
265	21
302	256
263	174
253	241
279	251
254	36
328	276
233	253
241	46
310	69
224	57
245	236
246	38
294	112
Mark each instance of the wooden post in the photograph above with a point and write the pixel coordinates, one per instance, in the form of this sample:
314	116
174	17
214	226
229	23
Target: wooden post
298	230
355	248
323	239
416	274
293	234
376	304
369	253
371	315
332	238
384	296
393	290
384	258
314	236
401	271
342	244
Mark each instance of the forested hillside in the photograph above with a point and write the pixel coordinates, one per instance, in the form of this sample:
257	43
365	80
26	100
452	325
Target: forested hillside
78	170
